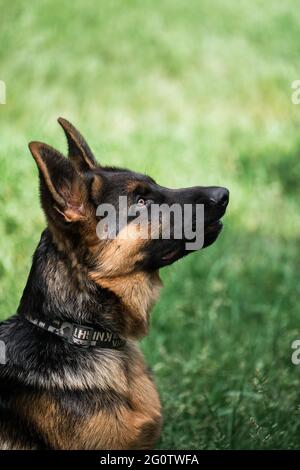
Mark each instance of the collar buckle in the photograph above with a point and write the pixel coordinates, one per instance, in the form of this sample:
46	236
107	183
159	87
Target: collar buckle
76	334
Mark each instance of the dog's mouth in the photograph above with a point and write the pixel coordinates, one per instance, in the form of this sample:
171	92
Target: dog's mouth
217	225
214	227
161	253
171	255
211	233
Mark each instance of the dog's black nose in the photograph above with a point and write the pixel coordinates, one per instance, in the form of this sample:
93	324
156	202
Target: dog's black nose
219	196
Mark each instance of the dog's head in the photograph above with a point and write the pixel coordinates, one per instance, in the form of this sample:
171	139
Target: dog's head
77	194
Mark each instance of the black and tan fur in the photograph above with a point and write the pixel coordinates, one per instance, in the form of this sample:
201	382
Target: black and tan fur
55	395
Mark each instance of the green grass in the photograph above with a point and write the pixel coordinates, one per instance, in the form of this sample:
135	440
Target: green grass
191	93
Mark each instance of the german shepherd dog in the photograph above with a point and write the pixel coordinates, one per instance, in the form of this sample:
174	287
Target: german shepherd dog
73	376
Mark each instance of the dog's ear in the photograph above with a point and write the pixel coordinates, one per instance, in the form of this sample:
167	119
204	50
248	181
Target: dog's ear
80	153
61	187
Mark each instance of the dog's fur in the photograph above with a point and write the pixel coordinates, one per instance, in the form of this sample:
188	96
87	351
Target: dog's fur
55	395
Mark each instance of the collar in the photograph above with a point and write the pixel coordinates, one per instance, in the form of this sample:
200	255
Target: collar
81	335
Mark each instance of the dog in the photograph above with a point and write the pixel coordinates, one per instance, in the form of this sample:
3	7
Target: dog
73	375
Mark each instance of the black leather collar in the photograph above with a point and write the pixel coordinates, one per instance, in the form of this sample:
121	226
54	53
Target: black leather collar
80	335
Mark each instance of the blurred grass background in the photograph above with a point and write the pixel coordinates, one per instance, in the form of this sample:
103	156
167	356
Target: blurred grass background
195	92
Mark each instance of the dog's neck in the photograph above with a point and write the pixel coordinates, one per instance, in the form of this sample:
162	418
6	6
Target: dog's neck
59	286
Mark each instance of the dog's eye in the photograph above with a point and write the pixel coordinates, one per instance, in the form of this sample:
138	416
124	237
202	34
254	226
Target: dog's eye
141	202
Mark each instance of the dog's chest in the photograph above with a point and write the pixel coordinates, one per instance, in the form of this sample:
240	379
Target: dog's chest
124	414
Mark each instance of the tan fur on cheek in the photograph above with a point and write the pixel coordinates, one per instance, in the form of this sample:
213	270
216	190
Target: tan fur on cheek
119	256
137	290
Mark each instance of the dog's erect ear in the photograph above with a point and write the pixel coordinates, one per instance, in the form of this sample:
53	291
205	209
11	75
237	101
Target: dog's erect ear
61	186
80	153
